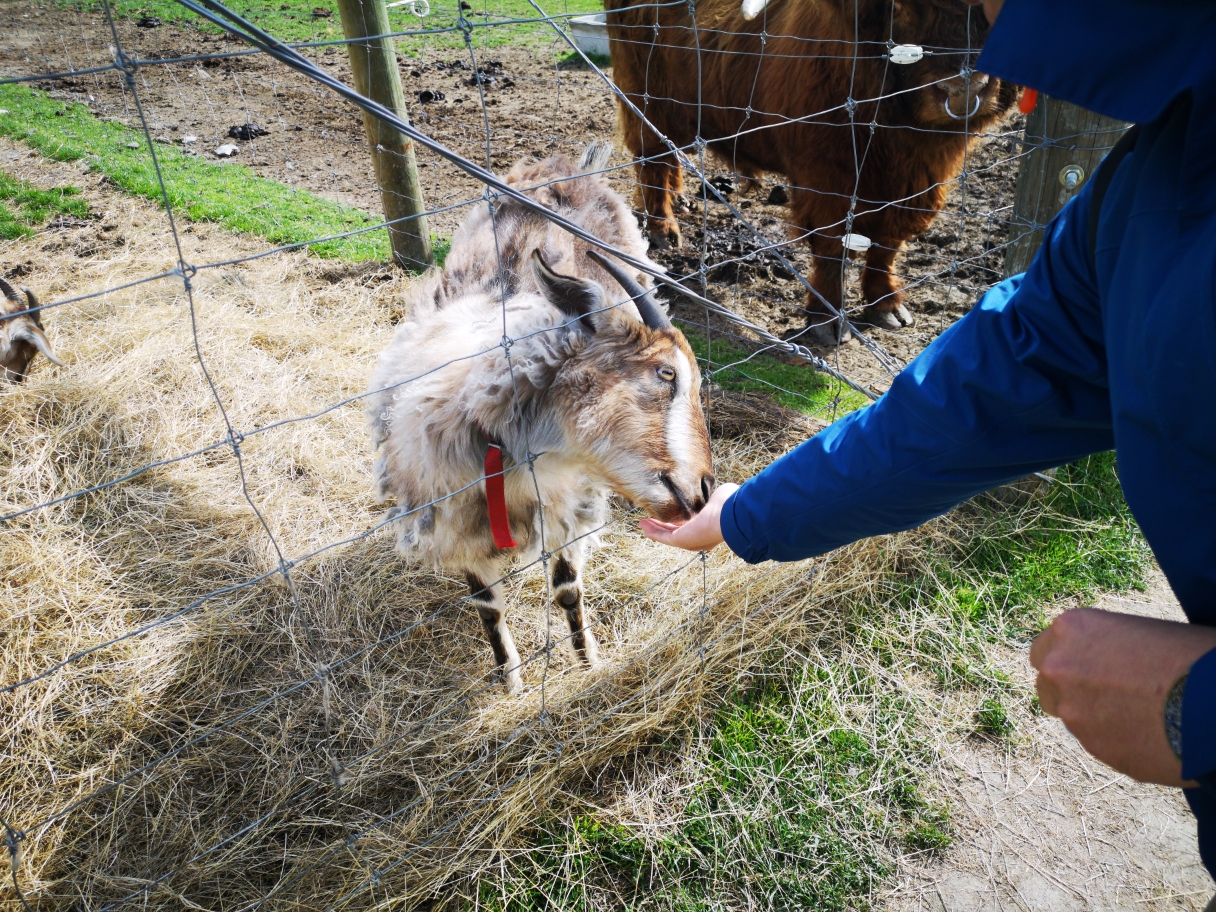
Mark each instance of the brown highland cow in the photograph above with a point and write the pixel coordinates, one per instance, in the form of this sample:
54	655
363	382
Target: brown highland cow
781	102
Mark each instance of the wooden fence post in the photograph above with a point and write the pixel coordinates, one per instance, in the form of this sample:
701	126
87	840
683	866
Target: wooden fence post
1062	145
374	65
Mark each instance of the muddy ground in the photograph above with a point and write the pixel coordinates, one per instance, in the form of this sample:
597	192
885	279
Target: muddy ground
536	102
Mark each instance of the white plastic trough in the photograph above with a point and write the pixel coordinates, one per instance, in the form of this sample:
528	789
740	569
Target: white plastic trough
590	33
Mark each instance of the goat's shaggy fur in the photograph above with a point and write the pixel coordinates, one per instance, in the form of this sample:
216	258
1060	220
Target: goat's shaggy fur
601	401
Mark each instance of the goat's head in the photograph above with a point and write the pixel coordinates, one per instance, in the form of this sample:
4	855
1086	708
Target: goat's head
630	398
21	336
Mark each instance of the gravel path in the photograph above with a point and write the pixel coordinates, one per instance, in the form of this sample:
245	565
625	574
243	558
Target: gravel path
1041	825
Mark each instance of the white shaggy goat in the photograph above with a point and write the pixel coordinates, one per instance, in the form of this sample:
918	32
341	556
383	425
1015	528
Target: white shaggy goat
21	338
596	383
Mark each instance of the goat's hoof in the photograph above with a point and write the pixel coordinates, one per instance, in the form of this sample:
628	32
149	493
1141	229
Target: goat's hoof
513	684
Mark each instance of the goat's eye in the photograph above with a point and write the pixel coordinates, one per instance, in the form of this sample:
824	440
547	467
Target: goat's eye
666	374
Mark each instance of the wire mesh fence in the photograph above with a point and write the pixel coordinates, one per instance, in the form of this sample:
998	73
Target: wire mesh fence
222	688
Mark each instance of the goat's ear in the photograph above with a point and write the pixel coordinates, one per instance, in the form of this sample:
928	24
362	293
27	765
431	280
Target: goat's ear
575	297
32	333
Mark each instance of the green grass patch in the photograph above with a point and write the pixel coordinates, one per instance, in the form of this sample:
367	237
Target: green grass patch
992	718
229	194
574	59
1076	538
295	20
810	783
795	385
23	208
791	810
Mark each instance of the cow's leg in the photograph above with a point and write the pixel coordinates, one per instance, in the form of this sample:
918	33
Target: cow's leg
566	575
485	592
661	182
820	217
658	173
881	289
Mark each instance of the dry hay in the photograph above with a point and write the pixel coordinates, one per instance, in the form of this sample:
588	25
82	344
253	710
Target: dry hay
350	737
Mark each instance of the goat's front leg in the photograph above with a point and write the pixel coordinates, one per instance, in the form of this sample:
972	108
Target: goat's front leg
567	579
486	594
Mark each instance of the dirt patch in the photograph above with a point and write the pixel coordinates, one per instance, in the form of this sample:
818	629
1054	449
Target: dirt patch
1042	825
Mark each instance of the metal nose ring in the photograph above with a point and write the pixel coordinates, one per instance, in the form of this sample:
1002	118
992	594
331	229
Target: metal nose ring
974	111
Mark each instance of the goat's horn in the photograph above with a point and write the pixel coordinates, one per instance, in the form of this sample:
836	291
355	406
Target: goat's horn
9	291
649	309
33	305
36	337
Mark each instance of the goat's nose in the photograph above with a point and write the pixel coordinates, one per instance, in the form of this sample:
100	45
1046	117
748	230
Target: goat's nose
707	486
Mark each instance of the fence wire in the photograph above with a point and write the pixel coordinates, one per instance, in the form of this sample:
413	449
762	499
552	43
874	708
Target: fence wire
347	800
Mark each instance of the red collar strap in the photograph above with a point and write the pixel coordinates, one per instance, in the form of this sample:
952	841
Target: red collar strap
496	497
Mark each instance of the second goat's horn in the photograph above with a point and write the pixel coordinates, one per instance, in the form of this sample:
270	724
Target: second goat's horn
652	314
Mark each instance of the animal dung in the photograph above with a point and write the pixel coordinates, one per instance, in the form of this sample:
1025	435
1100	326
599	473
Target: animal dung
322	13
227	150
132	145
426	96
148	22
722	184
906	53
247	131
778	196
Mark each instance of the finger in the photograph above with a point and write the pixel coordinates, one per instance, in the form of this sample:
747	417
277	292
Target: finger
1049	696
1040	647
659	524
657	531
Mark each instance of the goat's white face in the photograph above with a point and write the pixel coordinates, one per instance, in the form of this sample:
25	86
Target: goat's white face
632	403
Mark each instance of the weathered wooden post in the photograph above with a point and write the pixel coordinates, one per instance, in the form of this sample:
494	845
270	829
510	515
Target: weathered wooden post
1066	143
374	65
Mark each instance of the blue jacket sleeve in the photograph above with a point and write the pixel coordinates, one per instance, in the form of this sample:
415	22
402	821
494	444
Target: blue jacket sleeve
1199	723
1016	386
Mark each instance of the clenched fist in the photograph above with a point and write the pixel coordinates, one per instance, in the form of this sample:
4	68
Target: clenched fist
1107	675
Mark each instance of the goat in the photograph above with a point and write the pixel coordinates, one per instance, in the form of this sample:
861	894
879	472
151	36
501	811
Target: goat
21	337
596	389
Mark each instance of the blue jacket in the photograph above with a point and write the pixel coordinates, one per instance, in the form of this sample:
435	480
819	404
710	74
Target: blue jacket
1078	355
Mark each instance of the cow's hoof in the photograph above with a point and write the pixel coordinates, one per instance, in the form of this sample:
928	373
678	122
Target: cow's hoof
663	237
830	334
887	319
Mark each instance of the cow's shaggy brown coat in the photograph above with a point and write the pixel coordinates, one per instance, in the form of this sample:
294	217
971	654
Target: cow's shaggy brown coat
775	95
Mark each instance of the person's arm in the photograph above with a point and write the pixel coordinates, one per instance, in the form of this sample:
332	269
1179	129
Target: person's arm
1016	386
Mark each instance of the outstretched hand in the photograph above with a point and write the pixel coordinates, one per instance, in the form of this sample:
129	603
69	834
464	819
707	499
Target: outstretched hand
701	533
1106	676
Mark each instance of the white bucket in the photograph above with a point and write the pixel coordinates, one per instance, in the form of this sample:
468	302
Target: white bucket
590	33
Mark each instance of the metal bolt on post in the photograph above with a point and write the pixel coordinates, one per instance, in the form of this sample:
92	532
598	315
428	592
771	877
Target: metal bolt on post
374	67
1063	146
